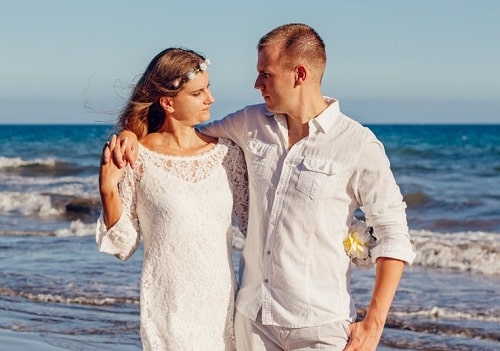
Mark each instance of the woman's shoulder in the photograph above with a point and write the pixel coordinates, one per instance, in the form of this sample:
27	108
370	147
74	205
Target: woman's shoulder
150	141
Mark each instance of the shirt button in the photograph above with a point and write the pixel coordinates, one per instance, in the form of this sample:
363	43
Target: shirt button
268	252
266	280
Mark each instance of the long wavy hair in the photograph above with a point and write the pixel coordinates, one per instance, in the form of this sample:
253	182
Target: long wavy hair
164	76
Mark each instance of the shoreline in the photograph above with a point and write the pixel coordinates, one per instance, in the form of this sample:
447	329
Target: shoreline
12	340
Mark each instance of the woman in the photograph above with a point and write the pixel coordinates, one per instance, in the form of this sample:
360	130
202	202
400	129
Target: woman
179	199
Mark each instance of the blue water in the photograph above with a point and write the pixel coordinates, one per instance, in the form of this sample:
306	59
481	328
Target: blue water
55	284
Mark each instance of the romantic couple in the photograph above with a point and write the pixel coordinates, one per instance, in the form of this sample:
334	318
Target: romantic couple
291	171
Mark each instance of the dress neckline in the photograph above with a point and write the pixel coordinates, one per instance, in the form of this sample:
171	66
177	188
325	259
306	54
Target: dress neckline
204	154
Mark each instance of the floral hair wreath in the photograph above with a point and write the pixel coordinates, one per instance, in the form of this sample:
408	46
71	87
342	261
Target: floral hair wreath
202	66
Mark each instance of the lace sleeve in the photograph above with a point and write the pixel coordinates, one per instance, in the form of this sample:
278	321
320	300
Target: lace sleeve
122	239
235	165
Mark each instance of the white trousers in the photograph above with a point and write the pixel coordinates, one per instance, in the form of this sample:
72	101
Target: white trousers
254	336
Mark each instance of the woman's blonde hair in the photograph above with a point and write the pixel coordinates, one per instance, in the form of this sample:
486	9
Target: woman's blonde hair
164	76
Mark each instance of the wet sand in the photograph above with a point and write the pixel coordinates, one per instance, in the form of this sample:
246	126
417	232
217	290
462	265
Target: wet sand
22	341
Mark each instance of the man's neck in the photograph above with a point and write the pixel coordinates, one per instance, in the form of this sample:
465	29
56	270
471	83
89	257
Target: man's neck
298	123
296	132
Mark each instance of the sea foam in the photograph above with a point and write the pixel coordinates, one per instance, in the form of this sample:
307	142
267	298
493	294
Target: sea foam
15	162
463	251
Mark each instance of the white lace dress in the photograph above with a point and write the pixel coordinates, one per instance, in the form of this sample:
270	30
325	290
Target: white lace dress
181	208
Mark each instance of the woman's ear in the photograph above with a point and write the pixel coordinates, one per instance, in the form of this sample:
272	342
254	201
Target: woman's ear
167	104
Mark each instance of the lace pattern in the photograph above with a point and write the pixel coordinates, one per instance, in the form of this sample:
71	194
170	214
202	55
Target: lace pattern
180	208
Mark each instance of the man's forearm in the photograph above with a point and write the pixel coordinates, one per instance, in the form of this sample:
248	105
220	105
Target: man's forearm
388	276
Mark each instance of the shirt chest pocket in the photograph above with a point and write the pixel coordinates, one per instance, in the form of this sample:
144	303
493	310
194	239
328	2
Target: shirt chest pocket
260	156
318	177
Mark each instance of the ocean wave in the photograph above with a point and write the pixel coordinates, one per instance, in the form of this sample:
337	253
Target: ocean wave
451	314
440	337
474	252
75	228
42	167
68	300
49	204
28	204
463	251
439	322
16	162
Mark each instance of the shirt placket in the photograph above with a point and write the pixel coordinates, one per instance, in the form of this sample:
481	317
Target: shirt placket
286	166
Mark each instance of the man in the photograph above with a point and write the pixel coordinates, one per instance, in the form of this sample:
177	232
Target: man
310	167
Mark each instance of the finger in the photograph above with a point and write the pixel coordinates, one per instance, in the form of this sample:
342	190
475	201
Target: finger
112	142
117	154
123	149
130	153
105	156
123	145
106	145
135	152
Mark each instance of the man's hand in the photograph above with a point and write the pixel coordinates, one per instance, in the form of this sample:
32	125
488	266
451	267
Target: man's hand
125	151
109	173
364	337
110	176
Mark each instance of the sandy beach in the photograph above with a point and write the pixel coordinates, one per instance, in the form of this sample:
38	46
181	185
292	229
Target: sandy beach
22	341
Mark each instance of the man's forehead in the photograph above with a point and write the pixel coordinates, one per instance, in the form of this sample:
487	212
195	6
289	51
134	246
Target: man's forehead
268	55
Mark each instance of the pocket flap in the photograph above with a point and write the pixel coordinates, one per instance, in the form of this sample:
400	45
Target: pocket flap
259	148
320	166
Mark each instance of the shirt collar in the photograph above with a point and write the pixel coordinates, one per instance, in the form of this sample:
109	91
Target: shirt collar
324	121
320	123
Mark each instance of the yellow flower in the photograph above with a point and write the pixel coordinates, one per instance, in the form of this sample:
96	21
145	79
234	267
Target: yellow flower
356	246
358	243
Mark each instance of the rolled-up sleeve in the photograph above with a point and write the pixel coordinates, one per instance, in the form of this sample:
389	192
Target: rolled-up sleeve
382	204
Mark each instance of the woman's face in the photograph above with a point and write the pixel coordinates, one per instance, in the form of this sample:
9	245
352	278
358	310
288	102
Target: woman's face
192	103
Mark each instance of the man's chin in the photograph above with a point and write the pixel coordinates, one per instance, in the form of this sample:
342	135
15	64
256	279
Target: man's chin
270	107
274	110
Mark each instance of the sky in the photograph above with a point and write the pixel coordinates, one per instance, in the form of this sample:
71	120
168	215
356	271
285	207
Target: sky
398	61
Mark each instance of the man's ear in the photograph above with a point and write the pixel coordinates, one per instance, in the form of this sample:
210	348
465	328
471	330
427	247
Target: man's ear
301	74
167	104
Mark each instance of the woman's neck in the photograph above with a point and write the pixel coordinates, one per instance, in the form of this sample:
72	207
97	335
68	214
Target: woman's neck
179	142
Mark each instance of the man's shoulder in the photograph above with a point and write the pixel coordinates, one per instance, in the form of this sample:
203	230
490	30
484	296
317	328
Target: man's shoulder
351	127
246	116
343	125
253	110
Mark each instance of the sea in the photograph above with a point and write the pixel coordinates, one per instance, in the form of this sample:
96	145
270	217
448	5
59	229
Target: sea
56	286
